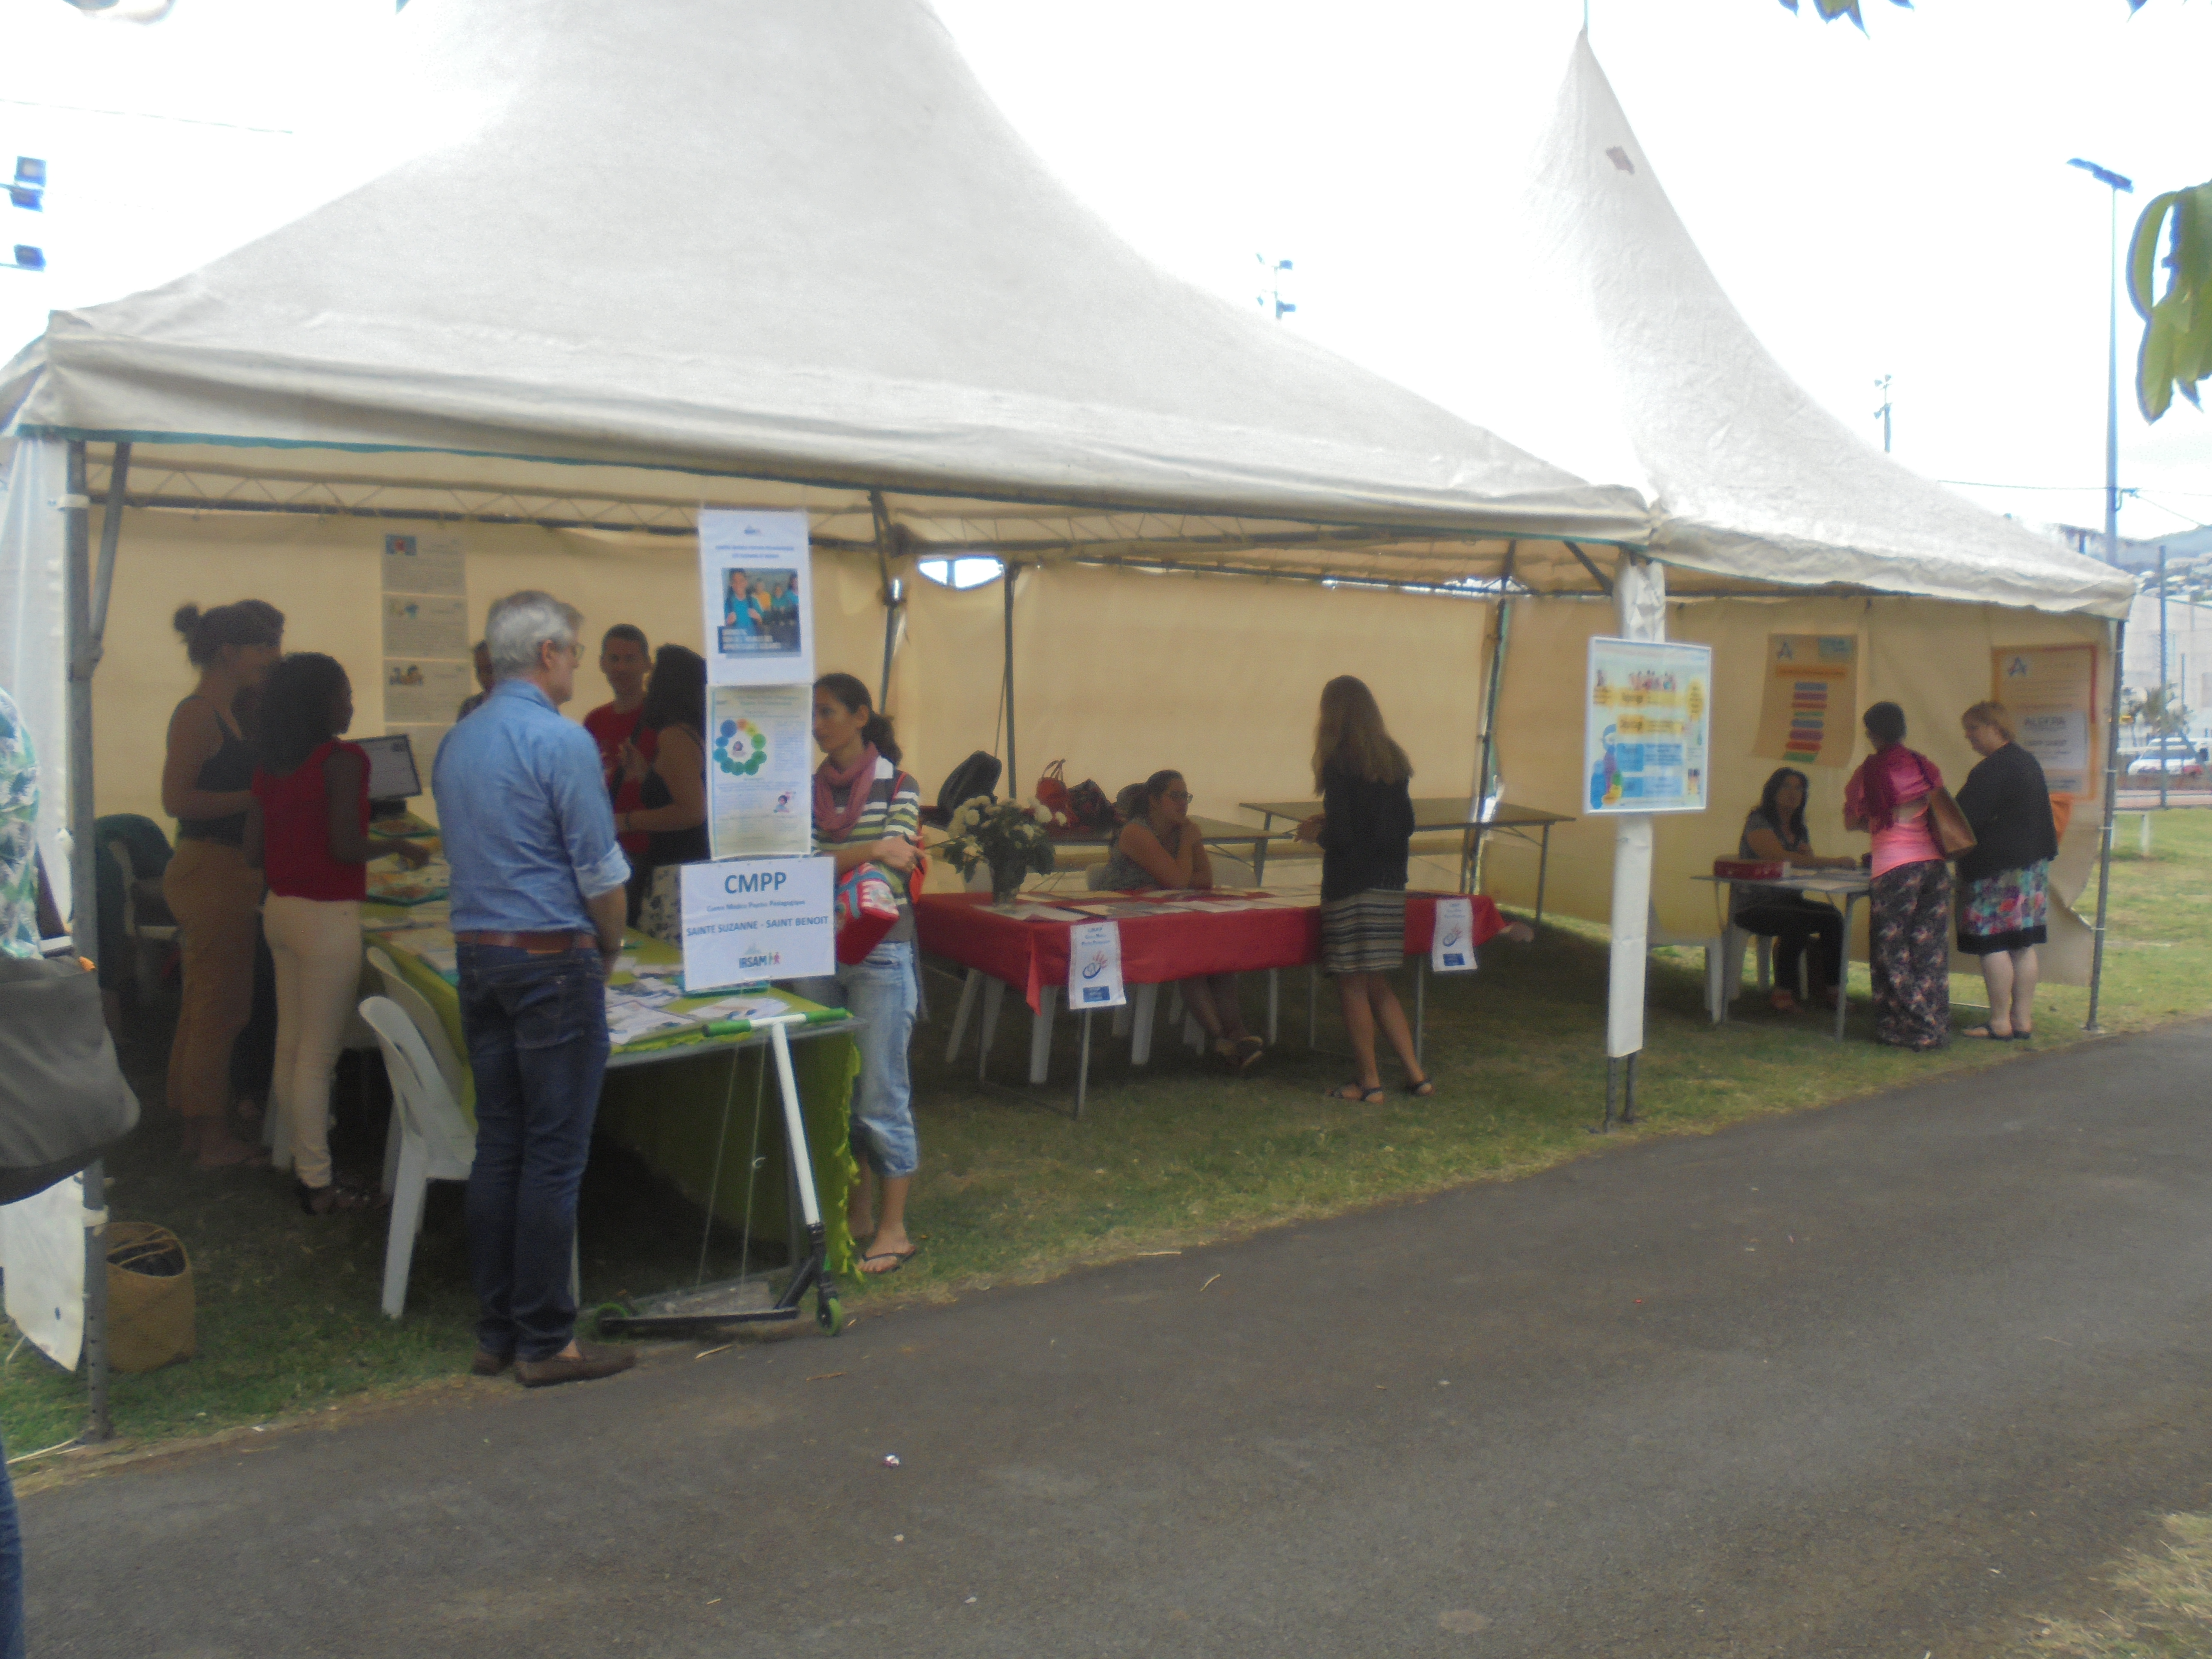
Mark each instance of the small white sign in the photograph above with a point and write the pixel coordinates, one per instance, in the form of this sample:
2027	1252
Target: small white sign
1094	966
750	919
1451	946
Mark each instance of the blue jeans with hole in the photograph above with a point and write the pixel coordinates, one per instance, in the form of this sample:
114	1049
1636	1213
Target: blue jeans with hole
536	1025
881	992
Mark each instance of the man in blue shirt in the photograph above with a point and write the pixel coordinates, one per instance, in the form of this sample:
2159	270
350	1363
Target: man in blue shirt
537	906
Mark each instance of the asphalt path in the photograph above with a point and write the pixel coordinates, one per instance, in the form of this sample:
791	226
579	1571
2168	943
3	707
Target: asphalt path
1886	1378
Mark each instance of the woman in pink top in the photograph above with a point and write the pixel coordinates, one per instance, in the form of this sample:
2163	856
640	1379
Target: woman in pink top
307	830
1909	936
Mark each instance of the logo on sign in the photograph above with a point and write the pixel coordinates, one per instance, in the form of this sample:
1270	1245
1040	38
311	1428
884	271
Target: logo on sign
765	881
1097	993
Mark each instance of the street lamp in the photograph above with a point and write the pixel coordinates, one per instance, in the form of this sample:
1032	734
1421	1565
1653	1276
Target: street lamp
2106	177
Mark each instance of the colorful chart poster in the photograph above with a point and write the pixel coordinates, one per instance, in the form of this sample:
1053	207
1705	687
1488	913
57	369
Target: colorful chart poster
757	588
760	794
2051	692
1807	708
1647	732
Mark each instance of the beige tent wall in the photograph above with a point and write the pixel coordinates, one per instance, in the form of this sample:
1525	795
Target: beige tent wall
1931	657
323	575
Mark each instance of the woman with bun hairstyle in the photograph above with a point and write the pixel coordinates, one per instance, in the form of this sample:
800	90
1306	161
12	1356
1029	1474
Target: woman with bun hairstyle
307	832
207	778
866	810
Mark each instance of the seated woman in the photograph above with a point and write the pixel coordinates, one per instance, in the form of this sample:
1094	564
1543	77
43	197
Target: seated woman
1776	830
1158	846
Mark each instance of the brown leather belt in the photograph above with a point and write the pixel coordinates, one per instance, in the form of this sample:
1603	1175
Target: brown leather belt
541	942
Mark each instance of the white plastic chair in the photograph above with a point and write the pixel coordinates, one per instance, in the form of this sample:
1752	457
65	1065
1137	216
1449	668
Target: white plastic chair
451	1067
1716	949
436	1142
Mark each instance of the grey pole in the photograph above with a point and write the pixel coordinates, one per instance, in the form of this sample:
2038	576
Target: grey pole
2112	394
886	540
1487	770
2166	698
83	649
2104	842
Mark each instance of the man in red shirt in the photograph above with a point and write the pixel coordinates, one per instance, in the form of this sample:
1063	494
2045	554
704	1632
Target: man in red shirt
623	659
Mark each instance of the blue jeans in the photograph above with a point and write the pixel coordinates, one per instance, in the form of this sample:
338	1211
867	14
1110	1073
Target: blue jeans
11	1568
537	1030
880	991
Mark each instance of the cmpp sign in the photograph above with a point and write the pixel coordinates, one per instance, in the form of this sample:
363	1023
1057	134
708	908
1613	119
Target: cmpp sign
750	919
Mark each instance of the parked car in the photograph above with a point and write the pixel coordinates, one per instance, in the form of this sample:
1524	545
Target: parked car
2177	758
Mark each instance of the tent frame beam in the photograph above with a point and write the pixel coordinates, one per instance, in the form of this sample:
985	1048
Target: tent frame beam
2105	832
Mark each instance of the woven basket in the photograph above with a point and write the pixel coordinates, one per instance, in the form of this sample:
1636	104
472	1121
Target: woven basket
149	1298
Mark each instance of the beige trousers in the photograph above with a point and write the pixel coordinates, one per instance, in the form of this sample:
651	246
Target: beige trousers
215	897
317	944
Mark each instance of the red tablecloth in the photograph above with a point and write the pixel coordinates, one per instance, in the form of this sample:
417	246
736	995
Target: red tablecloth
1155	949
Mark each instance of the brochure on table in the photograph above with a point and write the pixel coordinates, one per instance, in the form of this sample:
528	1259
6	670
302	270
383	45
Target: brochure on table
1647	732
1094	966
1451	944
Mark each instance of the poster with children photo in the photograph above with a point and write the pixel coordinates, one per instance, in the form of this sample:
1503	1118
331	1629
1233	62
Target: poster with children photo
756	588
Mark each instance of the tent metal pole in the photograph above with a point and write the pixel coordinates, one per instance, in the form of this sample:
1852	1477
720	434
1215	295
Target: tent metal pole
885	540
2105	835
1487	768
84	647
1007	573
111	533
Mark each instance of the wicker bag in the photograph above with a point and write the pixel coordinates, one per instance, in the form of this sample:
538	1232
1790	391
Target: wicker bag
149	1298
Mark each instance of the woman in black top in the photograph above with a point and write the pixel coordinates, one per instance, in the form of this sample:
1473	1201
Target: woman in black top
1776	830
671	810
207	780
1365	828
2004	882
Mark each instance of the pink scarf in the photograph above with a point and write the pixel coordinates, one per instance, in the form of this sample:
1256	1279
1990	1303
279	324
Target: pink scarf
1885	780
831	821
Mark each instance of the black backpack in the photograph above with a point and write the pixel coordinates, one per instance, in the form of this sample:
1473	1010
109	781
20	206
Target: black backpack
976	775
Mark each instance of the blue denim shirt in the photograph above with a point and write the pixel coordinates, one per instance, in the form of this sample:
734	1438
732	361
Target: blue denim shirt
524	815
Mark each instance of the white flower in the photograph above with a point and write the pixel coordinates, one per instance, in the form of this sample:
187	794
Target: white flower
1041	813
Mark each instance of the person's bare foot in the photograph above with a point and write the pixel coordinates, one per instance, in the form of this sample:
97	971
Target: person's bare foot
890	1250
218	1149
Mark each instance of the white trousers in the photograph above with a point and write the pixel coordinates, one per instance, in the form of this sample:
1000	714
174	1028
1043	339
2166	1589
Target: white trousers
317	945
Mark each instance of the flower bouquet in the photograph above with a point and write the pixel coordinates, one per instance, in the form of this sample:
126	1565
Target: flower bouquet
1008	835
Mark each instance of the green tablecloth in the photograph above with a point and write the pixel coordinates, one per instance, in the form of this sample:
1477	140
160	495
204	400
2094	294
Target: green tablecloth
670	1112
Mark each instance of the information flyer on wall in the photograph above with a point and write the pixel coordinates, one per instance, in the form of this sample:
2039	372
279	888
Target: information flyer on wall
756	584
428	670
2051	693
1647	732
1807	708
760	795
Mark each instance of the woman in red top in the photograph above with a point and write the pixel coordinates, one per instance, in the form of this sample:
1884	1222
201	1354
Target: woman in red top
308	830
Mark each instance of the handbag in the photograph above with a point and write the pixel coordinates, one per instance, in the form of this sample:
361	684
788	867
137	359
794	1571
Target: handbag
1052	789
63	1099
1954	836
866	908
1088	807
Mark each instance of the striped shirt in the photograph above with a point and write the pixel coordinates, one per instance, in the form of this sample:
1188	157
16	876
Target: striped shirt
894	808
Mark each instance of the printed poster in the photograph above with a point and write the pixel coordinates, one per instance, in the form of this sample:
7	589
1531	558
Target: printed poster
1094	966
757	588
2051	691
1647	731
760	790
1451	944
1807	709
425	564
424	690
426	625
426	670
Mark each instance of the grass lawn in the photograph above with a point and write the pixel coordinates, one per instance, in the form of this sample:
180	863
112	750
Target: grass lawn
1013	1190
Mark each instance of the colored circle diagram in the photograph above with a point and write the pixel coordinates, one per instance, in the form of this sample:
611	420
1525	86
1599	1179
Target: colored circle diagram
740	748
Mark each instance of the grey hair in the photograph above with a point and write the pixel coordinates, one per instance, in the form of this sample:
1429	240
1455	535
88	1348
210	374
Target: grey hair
522	622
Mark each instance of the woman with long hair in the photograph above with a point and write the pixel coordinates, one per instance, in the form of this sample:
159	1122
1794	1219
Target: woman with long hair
1775	831
671	810
866	810
1158	846
1909	945
2004	882
1365	829
207	784
307	832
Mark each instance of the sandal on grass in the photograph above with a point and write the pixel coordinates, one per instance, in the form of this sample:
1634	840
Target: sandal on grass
1420	1087
1355	1094
1990	1032
898	1259
332	1200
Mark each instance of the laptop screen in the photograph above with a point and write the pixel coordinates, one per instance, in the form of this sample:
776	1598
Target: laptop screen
391	774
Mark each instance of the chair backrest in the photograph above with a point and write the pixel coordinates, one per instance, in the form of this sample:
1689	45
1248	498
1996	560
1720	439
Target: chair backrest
1094	879
432	1029
418	1092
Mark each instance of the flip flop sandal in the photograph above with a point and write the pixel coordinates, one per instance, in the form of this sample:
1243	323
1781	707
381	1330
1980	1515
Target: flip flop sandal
1357	1096
1421	1088
898	1259
1249	1051
1985	1031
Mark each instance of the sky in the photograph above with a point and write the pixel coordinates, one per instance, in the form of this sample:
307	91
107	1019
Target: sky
1895	203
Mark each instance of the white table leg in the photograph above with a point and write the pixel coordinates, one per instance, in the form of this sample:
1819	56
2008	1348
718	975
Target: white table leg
1041	1032
971	989
1146	1000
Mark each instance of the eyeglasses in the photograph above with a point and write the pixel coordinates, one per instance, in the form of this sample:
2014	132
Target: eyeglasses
1180	795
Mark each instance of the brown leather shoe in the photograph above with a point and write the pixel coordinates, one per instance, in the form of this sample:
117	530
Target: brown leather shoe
590	1364
487	1363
